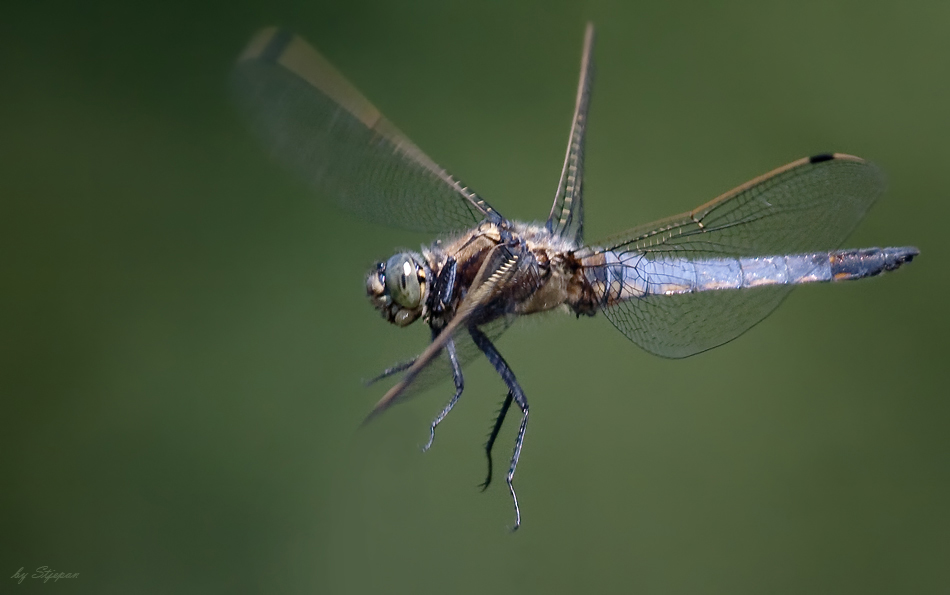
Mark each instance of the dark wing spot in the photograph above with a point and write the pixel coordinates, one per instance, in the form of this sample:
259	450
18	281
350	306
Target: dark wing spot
820	158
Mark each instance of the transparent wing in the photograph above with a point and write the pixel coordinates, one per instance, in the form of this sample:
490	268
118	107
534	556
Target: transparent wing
567	212
319	125
808	205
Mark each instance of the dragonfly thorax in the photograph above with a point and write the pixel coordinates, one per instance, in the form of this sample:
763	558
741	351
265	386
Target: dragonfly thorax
398	287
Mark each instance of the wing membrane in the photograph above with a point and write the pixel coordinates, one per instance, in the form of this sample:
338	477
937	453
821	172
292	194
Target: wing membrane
809	205
567	212
319	125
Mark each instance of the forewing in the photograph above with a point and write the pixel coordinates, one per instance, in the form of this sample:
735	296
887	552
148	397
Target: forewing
319	125
809	205
567	213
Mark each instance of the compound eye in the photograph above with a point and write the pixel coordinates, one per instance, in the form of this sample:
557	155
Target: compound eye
376	282
403	282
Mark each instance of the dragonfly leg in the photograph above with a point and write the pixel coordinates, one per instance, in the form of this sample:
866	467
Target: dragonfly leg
494	434
514	389
400	367
459	386
444	285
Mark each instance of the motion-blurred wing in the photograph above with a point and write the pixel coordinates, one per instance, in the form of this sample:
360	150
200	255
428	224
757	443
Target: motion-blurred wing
314	121
808	205
567	214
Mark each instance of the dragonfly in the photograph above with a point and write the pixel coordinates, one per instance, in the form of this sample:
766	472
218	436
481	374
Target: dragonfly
675	287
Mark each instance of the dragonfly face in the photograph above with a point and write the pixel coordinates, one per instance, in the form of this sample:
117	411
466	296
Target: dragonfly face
398	288
674	287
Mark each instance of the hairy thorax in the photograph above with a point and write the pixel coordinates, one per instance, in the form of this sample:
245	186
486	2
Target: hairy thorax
548	275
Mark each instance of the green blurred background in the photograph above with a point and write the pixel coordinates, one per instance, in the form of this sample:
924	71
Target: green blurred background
184	328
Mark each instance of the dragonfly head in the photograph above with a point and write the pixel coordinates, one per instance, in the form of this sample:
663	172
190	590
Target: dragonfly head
398	288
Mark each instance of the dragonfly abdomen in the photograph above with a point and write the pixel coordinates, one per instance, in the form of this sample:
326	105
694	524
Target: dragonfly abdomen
620	277
868	262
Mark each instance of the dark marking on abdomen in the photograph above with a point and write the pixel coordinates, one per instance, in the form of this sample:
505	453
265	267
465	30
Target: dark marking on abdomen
868	262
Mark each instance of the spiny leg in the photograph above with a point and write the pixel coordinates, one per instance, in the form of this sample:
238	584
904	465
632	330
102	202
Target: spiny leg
444	285
400	367
459	385
494	434
514	389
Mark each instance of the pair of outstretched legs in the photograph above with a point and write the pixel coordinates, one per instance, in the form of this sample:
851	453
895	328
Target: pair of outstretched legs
514	394
443	291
